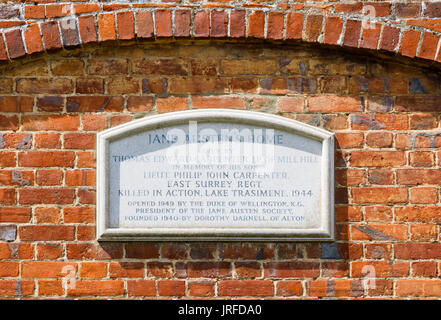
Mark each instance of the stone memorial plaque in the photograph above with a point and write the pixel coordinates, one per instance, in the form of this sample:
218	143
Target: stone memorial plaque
215	175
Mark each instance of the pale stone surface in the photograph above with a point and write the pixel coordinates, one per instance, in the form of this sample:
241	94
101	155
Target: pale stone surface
211	177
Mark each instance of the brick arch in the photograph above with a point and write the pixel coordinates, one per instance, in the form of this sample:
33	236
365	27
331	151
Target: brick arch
402	30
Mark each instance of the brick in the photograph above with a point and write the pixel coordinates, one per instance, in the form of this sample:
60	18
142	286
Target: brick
418	288
85	159
421	159
50	288
291	269
173	251
407	10
294	25
171	288
377	158
423	195
290	104
126	25
79	214
334	104
144	24
15	44
218	102
69	32
429	214
34	12
418	176
349	140
46	159
7	232
433	10
201	288
250	67
389	39
201	23
47	215
313	27
126	269
275	25
80	178
8	269
334	84
97	288
219	24
86	8
289	288
86	233
9	104
247	269
142	251
208	269
171	104
237	24
47	269
197	85
423	232
182	23
424	269
418	251
352	33
381	176
172	67
94	251
429	46
379	139
119	119
333	29
93	270
256	24
349	8
139	104
240	288
154	86
56	10
51	36
50	86
46	196
409	43
89	86
48	140
94	104
87	29
379	195
163	23
160	269
370	36
8	122
50	103
422	122
198	251
106	27
337	288
9	288
383	269
141	288
49	251
49	177
15	214
67	67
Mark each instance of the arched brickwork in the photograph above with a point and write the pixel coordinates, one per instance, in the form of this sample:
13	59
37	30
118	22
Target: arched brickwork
407	29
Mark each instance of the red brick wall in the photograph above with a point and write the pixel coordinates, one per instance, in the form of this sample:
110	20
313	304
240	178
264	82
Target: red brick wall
384	110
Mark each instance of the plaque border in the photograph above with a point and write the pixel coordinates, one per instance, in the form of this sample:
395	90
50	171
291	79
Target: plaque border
325	232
